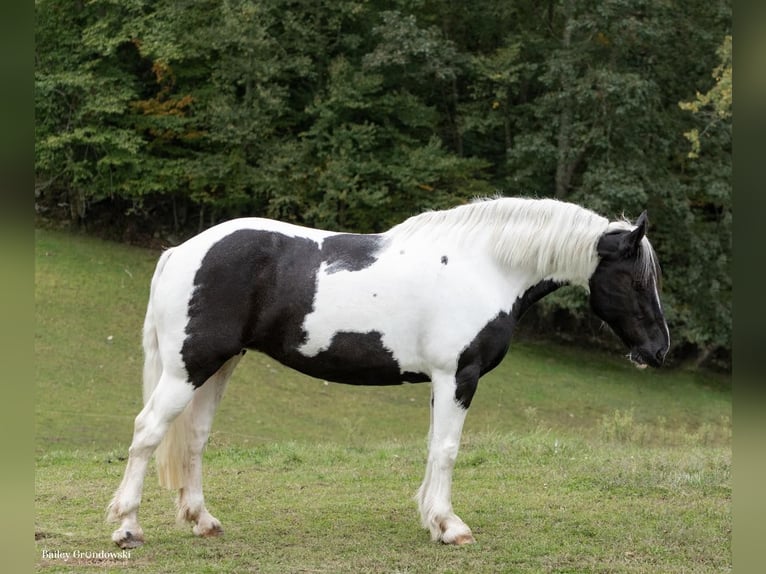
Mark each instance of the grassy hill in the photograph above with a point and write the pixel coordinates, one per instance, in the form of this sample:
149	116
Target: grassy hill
572	460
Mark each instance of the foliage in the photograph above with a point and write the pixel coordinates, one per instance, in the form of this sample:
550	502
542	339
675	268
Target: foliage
161	118
714	105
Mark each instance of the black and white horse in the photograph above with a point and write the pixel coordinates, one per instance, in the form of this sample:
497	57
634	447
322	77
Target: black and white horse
435	298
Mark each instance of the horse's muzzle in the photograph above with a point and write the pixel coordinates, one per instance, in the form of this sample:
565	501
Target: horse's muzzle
642	358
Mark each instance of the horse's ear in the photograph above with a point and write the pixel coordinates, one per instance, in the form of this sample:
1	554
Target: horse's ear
643	222
631	241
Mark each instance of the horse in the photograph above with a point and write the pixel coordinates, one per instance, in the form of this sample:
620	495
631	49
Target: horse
435	298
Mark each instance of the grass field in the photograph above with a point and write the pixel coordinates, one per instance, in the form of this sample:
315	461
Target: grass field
571	461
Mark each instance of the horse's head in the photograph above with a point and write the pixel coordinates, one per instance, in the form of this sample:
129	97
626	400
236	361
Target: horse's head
624	293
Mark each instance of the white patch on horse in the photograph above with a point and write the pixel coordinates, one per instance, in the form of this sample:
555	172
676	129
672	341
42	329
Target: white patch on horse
408	298
659	306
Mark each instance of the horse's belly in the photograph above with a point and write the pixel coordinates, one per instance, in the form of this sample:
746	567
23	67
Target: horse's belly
353	358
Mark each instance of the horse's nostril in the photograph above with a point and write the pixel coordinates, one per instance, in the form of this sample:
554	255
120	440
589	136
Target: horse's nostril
661	355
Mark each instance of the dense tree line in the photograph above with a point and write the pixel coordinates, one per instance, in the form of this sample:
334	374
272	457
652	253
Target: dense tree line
166	116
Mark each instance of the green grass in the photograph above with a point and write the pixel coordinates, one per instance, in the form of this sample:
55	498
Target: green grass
536	504
571	461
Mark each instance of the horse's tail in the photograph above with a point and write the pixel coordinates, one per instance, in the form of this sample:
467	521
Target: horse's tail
152	360
172	453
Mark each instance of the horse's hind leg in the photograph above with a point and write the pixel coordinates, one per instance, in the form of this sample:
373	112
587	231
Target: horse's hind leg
169	398
191	502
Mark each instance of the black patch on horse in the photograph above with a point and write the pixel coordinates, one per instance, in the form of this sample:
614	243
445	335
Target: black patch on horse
356	359
350	252
491	344
254	289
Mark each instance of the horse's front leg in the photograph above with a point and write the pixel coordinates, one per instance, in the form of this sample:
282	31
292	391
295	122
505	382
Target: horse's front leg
435	495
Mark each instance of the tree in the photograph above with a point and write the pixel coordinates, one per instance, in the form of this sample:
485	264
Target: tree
84	143
714	106
705	319
169	116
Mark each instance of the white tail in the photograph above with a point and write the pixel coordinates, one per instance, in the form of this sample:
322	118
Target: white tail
172	454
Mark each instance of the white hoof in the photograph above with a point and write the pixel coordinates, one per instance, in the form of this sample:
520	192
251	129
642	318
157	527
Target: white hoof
208	528
126	539
455	532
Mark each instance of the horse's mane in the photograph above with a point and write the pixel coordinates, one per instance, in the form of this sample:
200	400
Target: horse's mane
552	238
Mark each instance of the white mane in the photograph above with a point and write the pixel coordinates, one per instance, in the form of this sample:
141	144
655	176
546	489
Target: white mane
553	239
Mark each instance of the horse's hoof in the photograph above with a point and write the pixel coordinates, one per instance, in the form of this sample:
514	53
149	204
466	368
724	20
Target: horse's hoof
209	531
127	539
462	539
458	535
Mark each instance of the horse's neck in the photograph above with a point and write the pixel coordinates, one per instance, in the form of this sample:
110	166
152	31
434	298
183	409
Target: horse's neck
545	239
541	263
